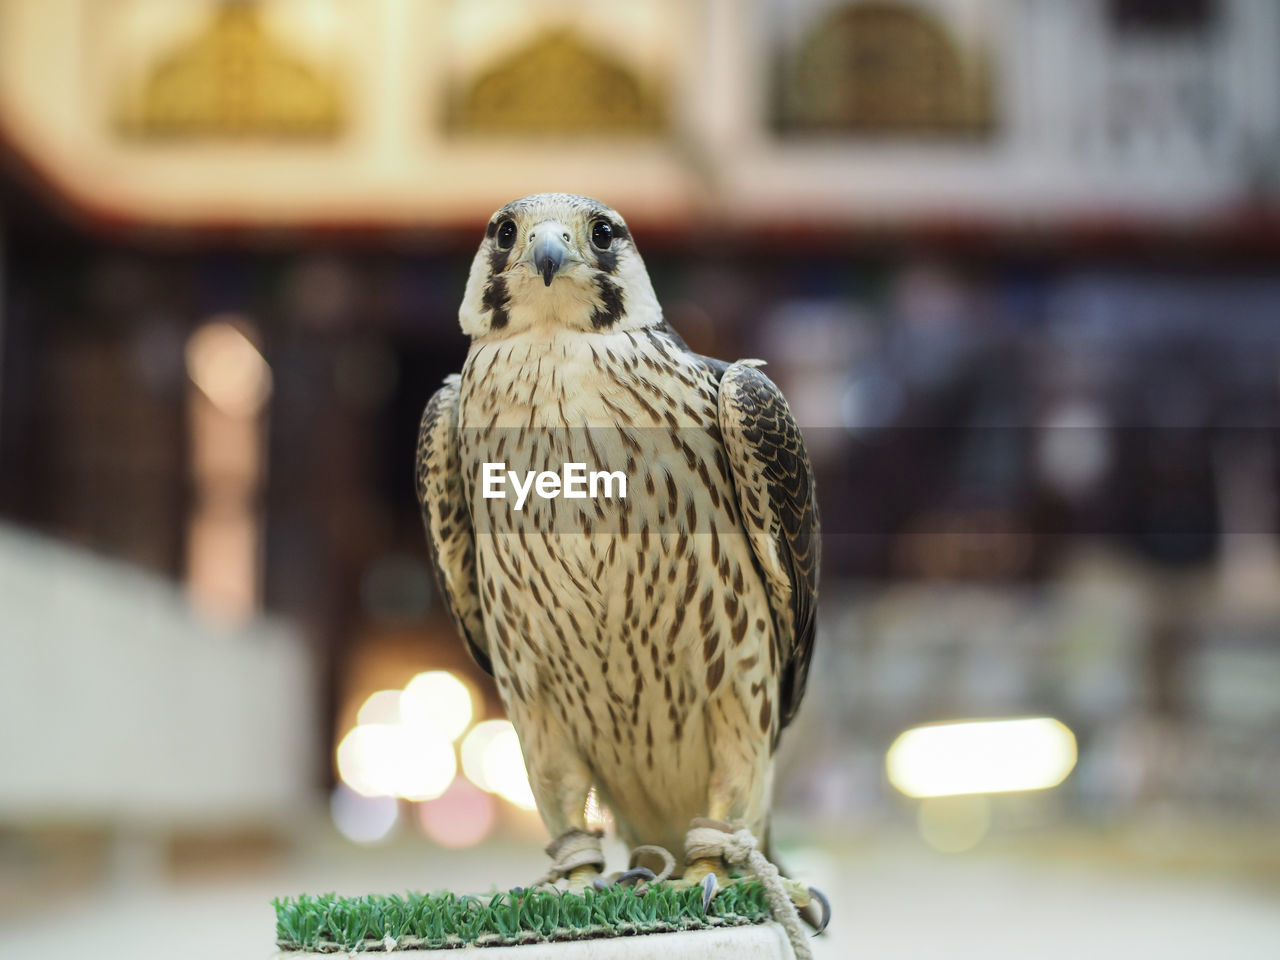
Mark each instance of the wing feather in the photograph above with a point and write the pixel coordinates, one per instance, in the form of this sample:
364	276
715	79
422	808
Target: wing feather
450	535
774	484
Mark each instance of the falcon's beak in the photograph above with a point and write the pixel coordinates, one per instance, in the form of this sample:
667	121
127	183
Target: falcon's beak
549	249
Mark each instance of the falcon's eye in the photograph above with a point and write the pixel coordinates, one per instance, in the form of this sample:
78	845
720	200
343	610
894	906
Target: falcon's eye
506	234
601	234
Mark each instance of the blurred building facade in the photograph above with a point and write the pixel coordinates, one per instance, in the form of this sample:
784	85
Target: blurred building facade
1012	261
748	112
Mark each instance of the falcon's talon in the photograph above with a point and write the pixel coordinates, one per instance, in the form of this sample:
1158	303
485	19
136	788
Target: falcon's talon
710	887
644	851
821	897
633	875
601	884
804	897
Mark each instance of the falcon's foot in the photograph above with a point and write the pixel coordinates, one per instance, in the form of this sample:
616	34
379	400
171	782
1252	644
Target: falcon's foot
576	857
817	912
709	873
705	854
698	870
579	878
811	903
707	837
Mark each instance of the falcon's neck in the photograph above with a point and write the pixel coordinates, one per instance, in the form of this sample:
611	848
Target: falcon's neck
569	378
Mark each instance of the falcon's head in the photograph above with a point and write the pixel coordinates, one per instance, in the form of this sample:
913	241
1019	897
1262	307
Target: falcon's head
556	260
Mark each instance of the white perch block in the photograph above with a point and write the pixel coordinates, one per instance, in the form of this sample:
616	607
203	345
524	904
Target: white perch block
761	941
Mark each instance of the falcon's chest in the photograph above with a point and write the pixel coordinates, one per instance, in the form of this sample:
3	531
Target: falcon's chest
635	608
632	404
571	380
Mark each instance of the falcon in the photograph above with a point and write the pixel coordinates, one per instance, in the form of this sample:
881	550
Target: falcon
651	647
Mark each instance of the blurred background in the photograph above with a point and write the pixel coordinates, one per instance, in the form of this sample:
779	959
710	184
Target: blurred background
1014	263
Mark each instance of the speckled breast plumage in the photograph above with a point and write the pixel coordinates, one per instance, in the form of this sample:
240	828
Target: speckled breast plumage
626	636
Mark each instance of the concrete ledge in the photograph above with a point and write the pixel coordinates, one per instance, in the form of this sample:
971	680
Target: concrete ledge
760	941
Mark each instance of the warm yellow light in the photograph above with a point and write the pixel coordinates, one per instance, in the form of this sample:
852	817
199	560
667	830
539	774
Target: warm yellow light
428	764
438	700
504	770
474	745
222	562
981	756
228	368
314	21
388	760
383	706
368	759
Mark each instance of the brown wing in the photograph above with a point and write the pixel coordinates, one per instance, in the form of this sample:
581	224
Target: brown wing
774	485
443	498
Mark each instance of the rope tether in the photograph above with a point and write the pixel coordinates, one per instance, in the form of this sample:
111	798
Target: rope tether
715	838
706	839
571	850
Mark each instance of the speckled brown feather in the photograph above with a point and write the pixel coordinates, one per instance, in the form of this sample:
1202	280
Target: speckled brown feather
775	488
632	640
442	496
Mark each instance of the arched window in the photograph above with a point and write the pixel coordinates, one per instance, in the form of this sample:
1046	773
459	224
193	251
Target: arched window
882	68
233	79
558	86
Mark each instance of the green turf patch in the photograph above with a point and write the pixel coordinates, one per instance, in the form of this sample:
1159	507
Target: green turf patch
416	921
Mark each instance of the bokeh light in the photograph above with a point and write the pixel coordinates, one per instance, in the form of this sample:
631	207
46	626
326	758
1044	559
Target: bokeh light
382	706
493	761
428	763
437	700
463	816
982	756
389	760
954	824
362	819
474	745
368	759
505	772
228	368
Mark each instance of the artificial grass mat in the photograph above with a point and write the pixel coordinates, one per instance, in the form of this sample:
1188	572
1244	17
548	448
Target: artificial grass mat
417	921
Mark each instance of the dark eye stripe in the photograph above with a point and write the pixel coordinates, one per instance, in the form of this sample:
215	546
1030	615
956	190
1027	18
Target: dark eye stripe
496	300
612	304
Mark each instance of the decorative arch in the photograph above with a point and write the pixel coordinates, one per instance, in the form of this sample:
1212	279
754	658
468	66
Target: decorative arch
558	85
234	80
883	69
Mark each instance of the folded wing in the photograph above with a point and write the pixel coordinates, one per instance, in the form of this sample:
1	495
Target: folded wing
442	495
774	484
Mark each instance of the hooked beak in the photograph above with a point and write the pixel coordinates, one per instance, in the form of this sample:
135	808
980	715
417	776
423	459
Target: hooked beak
549	249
